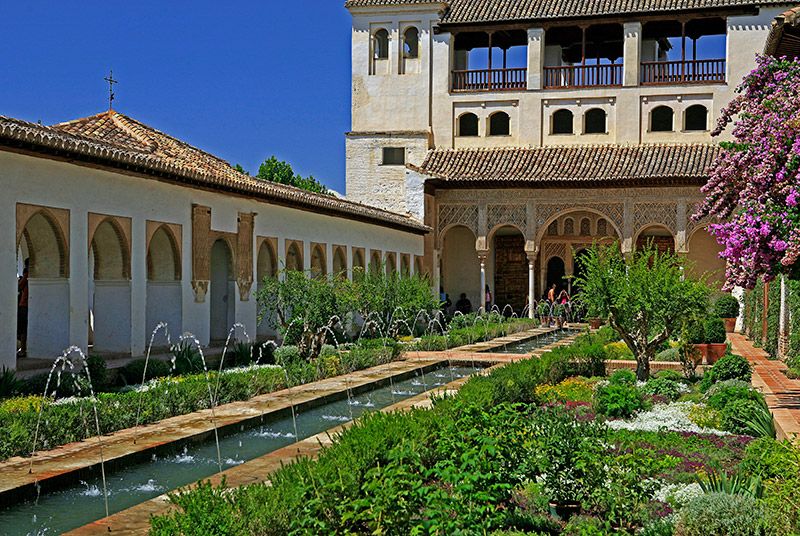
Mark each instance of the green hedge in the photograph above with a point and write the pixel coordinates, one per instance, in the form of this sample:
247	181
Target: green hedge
470	335
773	318
71	420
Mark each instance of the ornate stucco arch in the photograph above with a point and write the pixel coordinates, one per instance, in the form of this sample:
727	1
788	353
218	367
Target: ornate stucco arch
542	229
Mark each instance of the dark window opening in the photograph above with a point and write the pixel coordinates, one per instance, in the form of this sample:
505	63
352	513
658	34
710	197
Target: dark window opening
595	121
411	43
696	118
661	119
394	156
563	122
499	124
381	45
468	125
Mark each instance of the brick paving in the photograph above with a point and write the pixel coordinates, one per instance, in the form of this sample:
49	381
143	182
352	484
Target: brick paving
782	394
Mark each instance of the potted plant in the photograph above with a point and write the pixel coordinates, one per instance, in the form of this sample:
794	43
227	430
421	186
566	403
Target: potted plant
544	310
696	337
727	308
595	323
715	338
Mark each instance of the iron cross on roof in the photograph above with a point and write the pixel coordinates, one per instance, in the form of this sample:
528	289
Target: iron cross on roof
111	82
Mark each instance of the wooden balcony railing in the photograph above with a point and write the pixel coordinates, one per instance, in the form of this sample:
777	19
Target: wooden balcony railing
576	76
491	80
656	73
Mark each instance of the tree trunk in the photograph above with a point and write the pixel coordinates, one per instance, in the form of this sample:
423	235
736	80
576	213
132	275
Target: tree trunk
643	364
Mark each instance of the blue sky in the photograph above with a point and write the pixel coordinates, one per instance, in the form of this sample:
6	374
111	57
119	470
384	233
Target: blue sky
240	79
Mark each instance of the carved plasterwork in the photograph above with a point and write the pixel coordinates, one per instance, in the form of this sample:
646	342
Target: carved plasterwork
665	214
614	212
461	214
553	249
515	215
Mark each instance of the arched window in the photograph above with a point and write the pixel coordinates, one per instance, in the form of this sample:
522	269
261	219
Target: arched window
411	43
696	118
380	45
595	121
552	229
499	124
468	124
163	261
294	258
569	226
562	122
602	227
318	263
586	227
391	264
661	119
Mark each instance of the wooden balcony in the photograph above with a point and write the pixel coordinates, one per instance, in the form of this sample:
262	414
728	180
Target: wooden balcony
663	73
579	76
491	80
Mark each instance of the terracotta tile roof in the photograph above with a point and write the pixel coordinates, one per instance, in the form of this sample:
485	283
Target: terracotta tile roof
478	11
116	140
784	37
563	165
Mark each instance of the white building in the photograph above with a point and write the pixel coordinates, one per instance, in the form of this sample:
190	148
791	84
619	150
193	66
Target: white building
125	227
521	132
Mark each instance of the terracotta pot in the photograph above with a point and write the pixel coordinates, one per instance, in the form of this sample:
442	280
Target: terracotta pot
730	324
715	352
564	511
595	323
701	351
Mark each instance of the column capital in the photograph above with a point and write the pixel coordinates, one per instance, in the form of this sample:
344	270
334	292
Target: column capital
483	254
532	254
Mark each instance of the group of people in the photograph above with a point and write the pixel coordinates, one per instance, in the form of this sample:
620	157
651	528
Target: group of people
463	305
562	298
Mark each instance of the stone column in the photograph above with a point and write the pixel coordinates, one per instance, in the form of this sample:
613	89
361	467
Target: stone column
682	218
138	286
8	286
783	332
79	278
632	53
627	228
535	58
482	255
531	282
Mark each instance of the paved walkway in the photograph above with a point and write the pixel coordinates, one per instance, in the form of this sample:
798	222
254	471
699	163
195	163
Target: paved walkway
782	394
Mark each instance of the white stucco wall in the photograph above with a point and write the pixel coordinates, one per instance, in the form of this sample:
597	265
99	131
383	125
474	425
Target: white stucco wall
81	190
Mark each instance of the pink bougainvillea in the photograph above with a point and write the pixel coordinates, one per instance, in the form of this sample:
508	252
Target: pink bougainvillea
754	186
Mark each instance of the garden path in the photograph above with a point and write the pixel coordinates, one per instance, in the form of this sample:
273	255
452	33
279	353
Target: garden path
782	393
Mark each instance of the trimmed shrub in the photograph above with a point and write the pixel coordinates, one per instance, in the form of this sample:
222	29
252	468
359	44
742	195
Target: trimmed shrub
9	384
187	358
720	514
673	375
695	332
730	367
618	400
669	389
622	377
714	329
721	394
738	414
131	374
98	370
726	307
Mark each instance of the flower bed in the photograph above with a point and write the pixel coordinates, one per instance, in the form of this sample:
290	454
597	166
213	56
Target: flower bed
493	458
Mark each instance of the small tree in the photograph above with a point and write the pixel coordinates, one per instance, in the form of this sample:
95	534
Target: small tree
644	296
302	307
275	170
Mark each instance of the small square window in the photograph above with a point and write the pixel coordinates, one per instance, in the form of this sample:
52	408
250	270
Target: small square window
394	156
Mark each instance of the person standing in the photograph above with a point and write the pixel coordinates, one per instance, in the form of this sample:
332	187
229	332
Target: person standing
463	305
22	311
551	294
489	298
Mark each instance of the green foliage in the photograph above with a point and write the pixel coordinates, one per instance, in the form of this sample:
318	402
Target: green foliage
714	329
645	289
738	414
132	372
622	377
187	358
98	371
738	484
667	374
10	385
695	332
67	422
773	318
720	514
670	389
618	400
659	527
722	393
730	367
586	526
771	459
726	306
275	170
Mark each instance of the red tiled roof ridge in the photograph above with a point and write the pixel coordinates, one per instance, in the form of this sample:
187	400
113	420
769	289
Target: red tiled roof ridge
41	138
571	163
